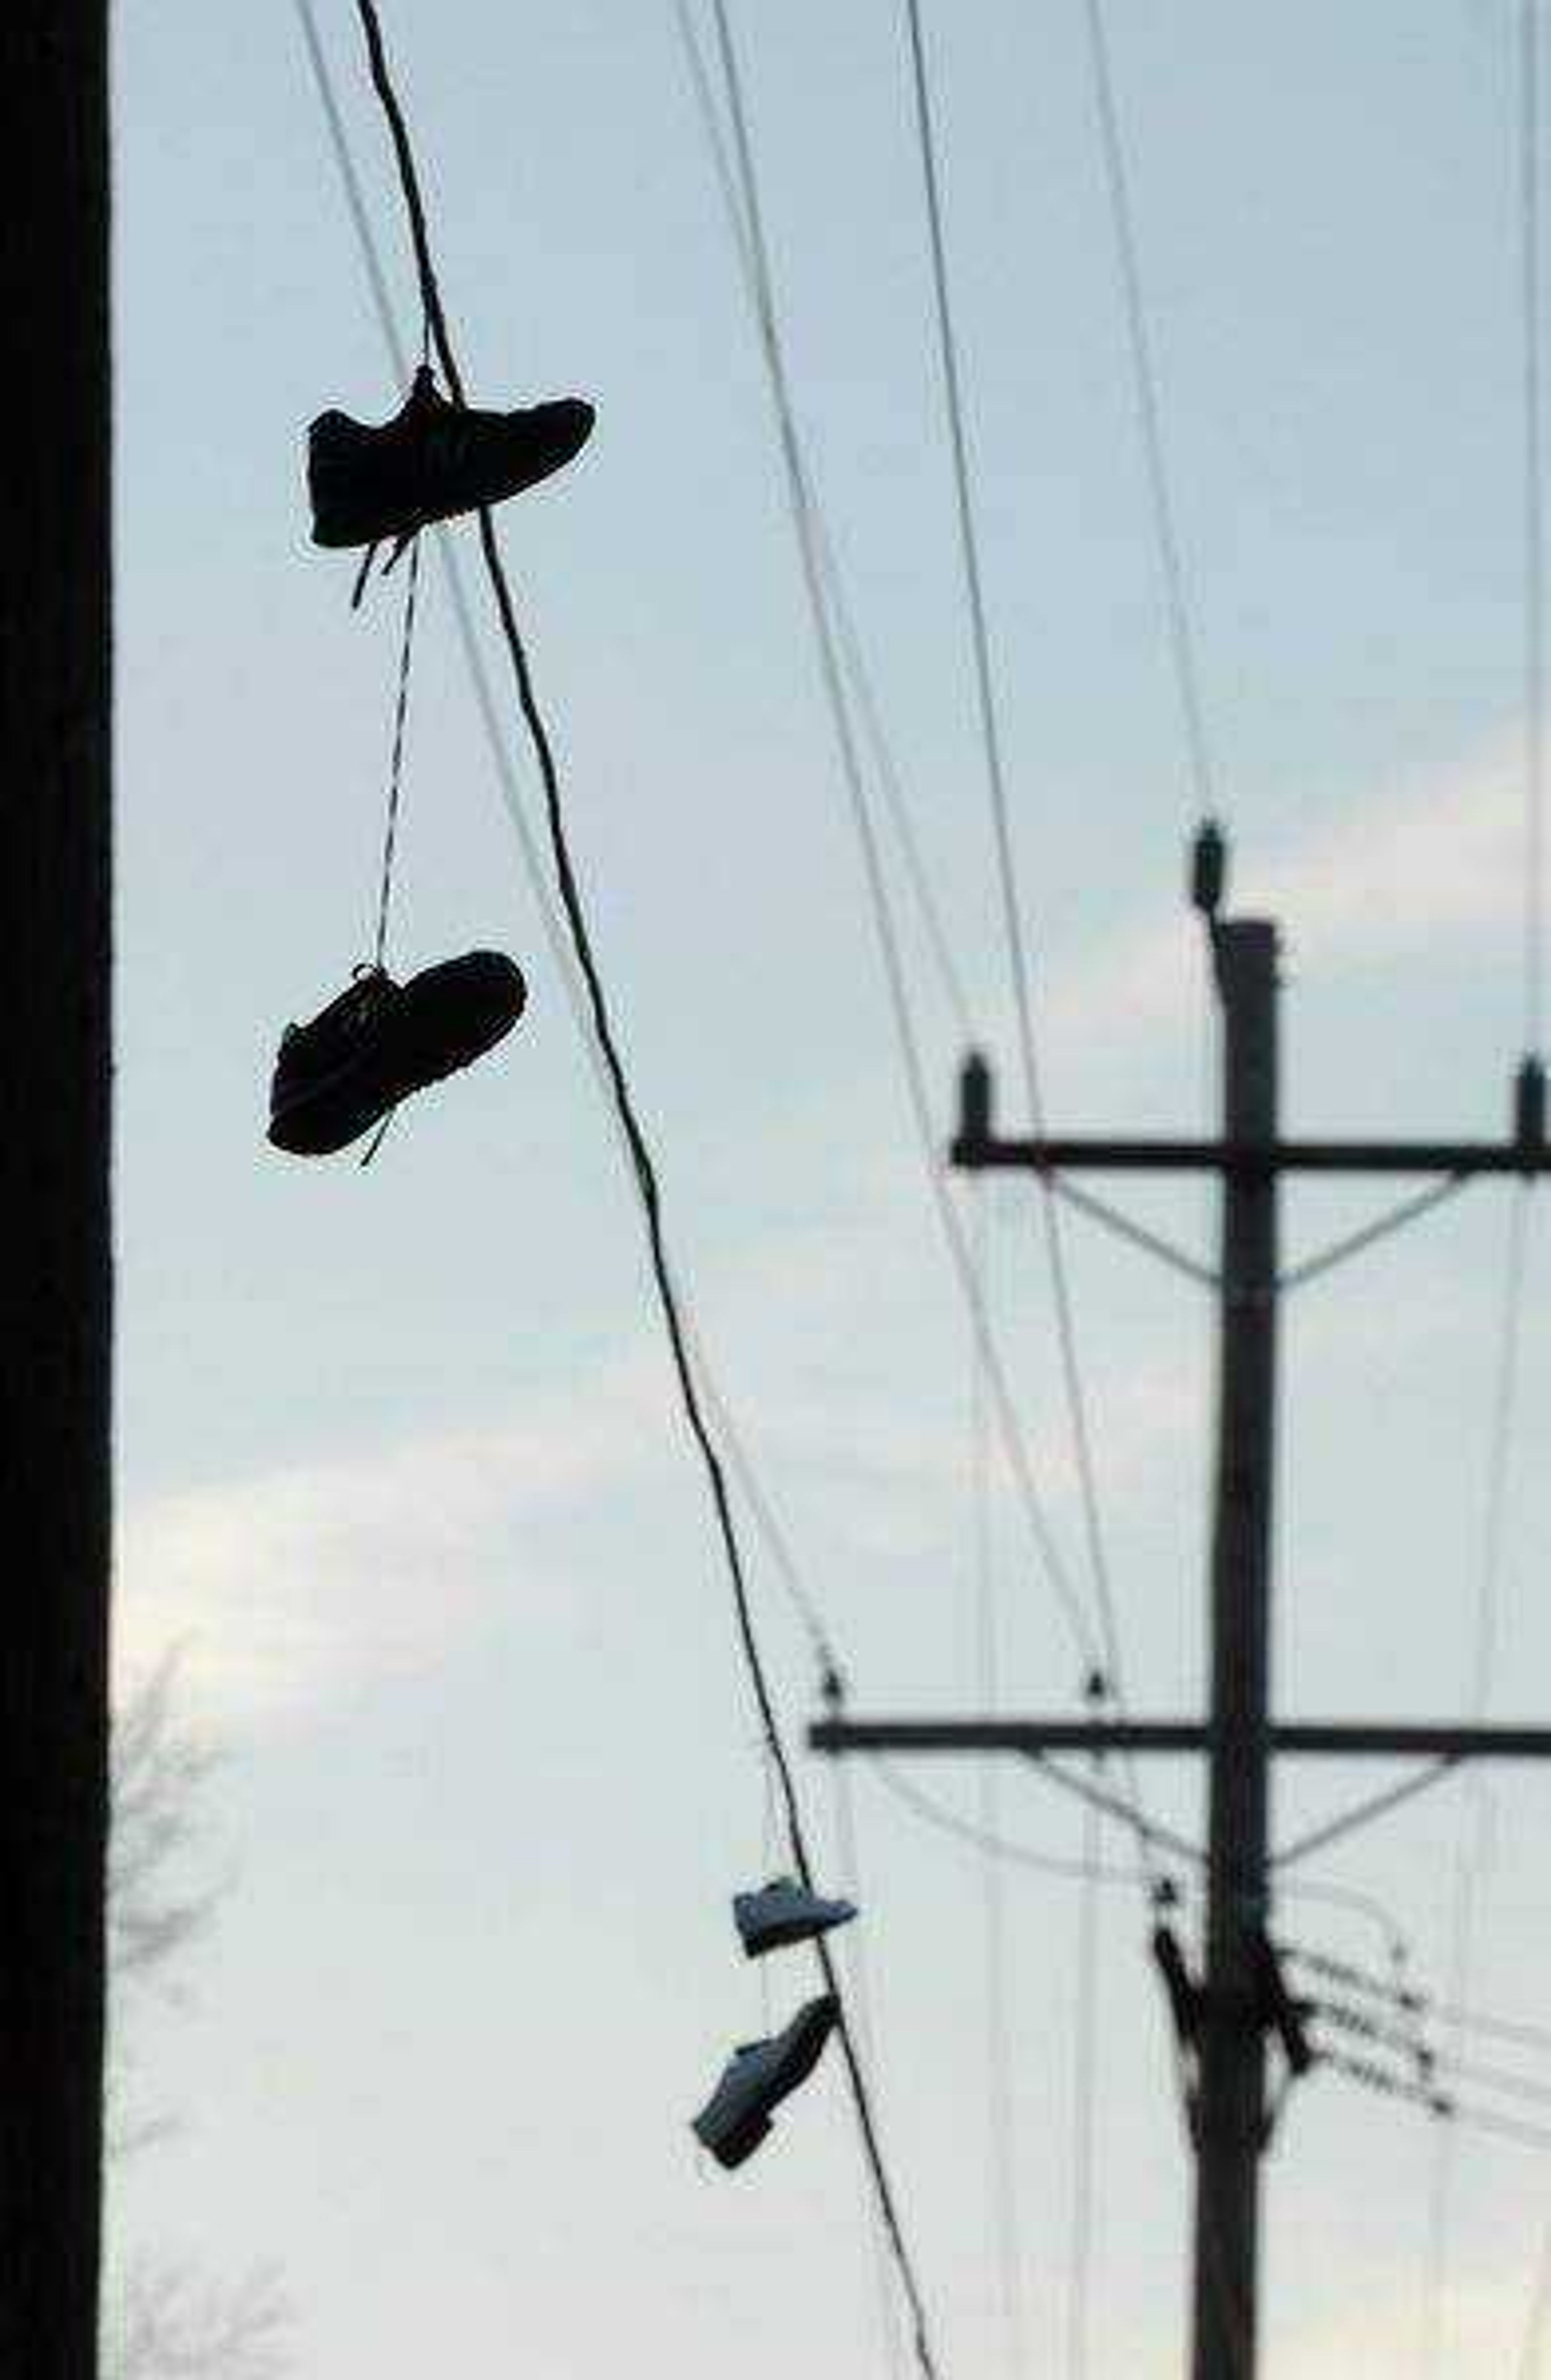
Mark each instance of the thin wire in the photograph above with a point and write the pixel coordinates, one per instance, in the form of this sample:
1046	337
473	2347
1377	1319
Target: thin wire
1531	2355
564	958
554	931
1345	1896
1007	2228
1182	636
1524	2035
854	1943
1150	1835
1517	2031
1006	875
1085	2065
854	659
1493	2078
396	765
1534	527
802	508
1375	1805
1125	1227
994	1846
1408	1210
647	1180
1469	1857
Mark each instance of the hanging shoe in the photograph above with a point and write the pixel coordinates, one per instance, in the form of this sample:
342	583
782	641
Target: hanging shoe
371	481
783	1912
759	2075
381	1040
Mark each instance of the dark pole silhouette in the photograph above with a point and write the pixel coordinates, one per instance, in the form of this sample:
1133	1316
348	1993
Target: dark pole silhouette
54	938
1230	2106
1223	2021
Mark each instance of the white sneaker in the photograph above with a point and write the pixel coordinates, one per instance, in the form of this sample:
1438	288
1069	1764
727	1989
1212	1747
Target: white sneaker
759	2075
783	1913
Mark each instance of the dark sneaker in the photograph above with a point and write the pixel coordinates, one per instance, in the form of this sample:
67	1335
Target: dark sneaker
371	481
761	2074
381	1040
783	1913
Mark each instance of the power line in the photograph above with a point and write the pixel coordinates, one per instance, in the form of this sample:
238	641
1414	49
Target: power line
853	657
850	1883
988	716
561	953
803	508
644	1169
994	1846
1086	2079
1469	1858
1534	951
1534	524
1149	411
1007	2227
1538	2321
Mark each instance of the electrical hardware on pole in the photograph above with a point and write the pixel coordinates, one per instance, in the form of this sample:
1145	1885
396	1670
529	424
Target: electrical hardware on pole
1224	2020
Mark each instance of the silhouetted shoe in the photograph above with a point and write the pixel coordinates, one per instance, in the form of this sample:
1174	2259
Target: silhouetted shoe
783	1912
759	2075
381	1040
369	481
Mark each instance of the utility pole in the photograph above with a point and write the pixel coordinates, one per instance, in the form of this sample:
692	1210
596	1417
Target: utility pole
55	1149
1230	2107
1226	2017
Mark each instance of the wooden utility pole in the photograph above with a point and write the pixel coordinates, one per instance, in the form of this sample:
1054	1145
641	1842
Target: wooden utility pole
1231	2103
1225	2018
55	1147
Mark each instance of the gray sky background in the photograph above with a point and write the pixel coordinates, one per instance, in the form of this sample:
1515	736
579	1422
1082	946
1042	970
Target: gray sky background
400	1465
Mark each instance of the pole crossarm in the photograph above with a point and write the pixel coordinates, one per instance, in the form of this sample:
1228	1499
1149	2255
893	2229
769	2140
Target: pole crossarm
976	1152
1240	2000
1033	1738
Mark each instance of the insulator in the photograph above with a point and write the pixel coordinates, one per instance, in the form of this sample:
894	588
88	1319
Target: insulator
1184	1996
1528	1103
1208	867
974	1100
1281	2011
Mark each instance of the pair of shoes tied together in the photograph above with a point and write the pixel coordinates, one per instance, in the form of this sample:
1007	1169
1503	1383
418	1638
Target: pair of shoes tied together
760	2074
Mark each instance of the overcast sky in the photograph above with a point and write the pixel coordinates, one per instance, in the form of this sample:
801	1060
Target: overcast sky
400	1466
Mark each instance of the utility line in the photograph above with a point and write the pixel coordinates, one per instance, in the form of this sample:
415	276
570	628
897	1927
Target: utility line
1534	524
1181	634
645	1174
988	716
1086	2079
1466	1868
994	1846
803	510
1000	2100
853	657
850	1884
1531	2355
1469	1858
561	953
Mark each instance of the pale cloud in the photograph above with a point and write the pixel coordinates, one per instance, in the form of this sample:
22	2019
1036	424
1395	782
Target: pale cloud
1424	861
279	1588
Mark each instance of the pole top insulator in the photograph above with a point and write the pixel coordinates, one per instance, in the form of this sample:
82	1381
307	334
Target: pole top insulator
1208	867
975	1099
1528	1103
